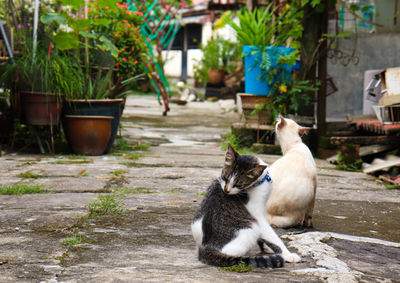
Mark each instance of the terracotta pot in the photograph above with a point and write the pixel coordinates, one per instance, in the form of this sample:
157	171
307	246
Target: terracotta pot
39	108
216	76
88	135
97	107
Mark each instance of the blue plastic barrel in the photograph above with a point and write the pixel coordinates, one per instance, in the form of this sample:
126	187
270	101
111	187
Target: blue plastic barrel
254	83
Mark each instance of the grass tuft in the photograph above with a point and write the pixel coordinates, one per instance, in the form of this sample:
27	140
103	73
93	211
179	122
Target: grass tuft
22	190
106	205
76	240
241	268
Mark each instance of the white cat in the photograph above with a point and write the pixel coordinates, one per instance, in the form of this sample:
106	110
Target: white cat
294	176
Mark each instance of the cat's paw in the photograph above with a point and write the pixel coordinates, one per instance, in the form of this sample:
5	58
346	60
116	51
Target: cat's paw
291	257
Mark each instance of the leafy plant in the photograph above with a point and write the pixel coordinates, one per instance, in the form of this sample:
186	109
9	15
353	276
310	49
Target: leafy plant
289	96
107	37
48	71
264	26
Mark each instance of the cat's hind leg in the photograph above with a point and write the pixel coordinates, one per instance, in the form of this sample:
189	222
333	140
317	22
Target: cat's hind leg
268	234
283	221
245	241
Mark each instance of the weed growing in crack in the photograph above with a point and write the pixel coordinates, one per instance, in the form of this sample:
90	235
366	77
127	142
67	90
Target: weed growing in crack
19	189
34	174
123	145
142	191
76	240
118	173
241	267
106	205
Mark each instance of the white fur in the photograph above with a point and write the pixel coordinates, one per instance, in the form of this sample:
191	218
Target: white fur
197	231
291	201
256	206
245	240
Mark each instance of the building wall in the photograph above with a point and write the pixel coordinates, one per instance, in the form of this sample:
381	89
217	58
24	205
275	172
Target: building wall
375	51
173	66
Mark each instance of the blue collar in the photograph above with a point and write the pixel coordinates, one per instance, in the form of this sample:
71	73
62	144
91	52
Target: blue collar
265	178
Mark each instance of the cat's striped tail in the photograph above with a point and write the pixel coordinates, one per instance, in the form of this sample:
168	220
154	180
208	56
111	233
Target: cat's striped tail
212	256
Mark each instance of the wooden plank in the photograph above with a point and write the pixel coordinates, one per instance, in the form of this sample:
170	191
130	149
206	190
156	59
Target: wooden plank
366	150
364	140
377	167
253	126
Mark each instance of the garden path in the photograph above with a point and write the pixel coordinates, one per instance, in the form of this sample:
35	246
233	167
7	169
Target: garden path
47	238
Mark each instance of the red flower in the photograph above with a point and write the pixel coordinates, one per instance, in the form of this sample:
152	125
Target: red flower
117	64
136	61
148	39
96	16
124	59
138	13
125	21
117	35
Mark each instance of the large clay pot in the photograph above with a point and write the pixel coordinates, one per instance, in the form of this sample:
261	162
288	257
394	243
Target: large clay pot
38	108
88	135
97	107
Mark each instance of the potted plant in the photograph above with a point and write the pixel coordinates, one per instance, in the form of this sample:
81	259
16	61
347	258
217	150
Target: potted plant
220	57
265	36
269	41
113	32
38	83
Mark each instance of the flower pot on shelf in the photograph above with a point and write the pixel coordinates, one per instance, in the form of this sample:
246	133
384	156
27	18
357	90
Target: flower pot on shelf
39	108
248	103
88	135
97	107
256	79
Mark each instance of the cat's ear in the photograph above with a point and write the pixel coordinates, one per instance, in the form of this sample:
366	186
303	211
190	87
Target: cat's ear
256	172
230	156
282	122
303	131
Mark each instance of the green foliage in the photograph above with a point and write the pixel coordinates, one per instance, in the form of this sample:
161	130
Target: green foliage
20	189
263	27
288	97
106	205
344	163
55	73
240	268
239	140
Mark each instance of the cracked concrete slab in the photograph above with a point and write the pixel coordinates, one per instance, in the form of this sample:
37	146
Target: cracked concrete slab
355	239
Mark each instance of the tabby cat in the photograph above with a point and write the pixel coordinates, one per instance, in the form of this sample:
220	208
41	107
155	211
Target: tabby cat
230	226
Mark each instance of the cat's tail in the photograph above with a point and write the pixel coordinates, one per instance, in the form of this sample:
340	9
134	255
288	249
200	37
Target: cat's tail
212	256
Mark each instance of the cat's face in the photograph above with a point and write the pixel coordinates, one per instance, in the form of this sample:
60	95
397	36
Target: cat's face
240	172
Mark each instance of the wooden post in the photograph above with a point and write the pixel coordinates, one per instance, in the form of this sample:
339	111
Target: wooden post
322	74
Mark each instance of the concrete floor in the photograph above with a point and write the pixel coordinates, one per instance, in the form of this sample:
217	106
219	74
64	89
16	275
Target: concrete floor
356	237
